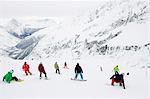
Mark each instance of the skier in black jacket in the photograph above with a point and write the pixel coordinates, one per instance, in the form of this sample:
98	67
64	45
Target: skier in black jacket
78	70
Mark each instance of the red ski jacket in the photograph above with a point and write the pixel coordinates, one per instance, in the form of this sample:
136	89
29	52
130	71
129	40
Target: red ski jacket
41	68
25	67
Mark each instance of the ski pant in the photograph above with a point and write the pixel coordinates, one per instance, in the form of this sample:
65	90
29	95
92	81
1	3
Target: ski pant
14	78
78	74
121	82
27	71
116	80
57	71
43	73
112	82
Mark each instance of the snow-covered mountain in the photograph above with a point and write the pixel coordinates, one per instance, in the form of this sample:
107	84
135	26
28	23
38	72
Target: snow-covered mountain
22	28
111	28
6	40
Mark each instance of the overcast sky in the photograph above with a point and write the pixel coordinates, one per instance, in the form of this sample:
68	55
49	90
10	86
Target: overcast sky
46	8
57	8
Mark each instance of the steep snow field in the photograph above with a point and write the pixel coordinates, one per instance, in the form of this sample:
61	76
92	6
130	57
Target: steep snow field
133	34
97	86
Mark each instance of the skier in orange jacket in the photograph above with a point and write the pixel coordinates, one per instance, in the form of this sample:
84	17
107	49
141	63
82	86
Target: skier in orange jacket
25	68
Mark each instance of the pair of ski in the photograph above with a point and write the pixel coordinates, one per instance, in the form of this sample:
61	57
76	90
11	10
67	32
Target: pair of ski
44	78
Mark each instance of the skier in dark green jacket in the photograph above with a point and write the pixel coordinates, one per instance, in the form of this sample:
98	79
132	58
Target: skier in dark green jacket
8	77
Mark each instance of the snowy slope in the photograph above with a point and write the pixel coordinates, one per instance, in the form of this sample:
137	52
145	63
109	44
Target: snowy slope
61	87
133	34
112	23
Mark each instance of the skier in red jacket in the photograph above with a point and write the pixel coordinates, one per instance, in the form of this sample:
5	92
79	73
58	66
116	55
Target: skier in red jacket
42	70
25	68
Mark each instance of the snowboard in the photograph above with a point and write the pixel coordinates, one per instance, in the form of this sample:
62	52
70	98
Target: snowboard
78	79
20	80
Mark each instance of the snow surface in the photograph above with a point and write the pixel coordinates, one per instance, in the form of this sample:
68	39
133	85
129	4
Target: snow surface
98	84
133	34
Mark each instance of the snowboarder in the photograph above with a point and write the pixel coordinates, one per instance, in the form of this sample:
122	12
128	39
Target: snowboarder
116	69
42	70
25	68
65	65
118	78
78	70
57	68
8	77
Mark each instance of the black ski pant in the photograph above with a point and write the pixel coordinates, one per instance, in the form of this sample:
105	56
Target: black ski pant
43	73
14	78
57	71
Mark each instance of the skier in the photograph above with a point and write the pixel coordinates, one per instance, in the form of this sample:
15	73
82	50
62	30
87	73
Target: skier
65	65
78	70
8	77
116	69
57	68
25	68
42	70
